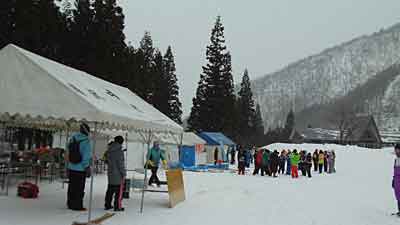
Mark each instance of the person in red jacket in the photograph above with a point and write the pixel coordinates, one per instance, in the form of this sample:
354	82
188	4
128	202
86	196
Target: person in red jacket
258	161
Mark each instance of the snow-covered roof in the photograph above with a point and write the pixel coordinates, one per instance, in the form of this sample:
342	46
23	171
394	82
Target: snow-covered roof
320	134
189	139
390	136
33	86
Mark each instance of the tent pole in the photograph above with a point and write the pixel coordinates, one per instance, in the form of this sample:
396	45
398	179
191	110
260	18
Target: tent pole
126	152
92	173
145	171
180	146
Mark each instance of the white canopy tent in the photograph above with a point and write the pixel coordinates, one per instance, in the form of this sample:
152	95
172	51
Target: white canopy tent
36	91
35	86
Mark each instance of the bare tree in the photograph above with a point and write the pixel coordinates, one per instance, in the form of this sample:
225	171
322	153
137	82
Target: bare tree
342	118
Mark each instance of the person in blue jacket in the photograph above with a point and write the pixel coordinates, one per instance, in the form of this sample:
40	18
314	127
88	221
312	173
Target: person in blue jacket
288	163
77	171
154	156
248	157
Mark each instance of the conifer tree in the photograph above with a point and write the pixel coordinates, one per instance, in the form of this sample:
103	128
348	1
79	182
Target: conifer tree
215	99
246	109
174	105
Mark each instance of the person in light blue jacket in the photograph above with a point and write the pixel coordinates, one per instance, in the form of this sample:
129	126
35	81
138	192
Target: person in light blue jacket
77	171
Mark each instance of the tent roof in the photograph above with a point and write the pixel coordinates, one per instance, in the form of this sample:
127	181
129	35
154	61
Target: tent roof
215	138
33	86
189	139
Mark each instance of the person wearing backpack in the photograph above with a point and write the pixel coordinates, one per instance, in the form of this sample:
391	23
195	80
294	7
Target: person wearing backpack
79	157
116	174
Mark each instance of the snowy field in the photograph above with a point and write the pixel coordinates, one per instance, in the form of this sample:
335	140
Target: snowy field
359	193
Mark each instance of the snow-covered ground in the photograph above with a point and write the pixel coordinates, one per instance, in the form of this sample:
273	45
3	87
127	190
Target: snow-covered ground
358	194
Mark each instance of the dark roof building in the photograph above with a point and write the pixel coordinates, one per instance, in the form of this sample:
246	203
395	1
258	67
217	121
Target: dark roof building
363	132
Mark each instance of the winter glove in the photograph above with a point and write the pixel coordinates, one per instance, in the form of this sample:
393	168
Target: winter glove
165	165
149	163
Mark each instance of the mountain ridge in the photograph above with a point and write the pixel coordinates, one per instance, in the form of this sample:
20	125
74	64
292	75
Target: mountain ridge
325	76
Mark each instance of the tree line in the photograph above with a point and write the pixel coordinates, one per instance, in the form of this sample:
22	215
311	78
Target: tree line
89	35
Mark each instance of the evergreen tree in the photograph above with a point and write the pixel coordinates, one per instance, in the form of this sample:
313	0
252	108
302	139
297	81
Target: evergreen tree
215	99
80	36
159	90
198	109
246	108
8	19
258	126
289	126
144	77
171	82
108	40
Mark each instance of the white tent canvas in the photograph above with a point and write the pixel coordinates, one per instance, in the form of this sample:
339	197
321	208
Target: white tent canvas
36	86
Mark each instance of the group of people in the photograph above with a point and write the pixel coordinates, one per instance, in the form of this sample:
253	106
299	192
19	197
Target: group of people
287	162
79	170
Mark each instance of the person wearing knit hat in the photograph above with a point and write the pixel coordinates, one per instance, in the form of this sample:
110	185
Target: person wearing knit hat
79	143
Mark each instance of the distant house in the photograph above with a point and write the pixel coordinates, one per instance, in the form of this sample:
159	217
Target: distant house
363	133
390	138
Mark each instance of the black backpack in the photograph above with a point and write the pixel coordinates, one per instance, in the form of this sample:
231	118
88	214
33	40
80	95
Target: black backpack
74	151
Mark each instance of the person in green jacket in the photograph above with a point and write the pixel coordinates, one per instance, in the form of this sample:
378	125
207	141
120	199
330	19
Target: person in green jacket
266	163
154	156
294	161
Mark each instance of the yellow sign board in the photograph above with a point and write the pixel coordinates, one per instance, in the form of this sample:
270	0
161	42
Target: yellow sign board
176	189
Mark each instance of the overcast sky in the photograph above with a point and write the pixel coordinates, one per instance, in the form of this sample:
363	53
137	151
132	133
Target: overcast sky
262	35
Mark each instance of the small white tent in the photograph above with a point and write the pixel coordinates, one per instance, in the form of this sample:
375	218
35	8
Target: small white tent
37	91
170	143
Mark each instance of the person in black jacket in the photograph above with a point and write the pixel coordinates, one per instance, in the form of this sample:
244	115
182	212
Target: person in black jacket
241	161
302	165
308	164
282	162
274	162
326	161
216	153
315	160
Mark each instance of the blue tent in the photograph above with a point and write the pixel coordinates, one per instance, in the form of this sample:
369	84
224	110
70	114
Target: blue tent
216	138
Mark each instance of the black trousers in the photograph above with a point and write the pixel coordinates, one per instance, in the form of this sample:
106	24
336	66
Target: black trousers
263	170
113	191
303	169
308	169
398	205
76	189
315	166
326	166
154	177
242	168
281	167
256	169
320	167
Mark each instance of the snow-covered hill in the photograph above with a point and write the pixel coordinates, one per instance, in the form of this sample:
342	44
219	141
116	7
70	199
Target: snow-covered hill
331	74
